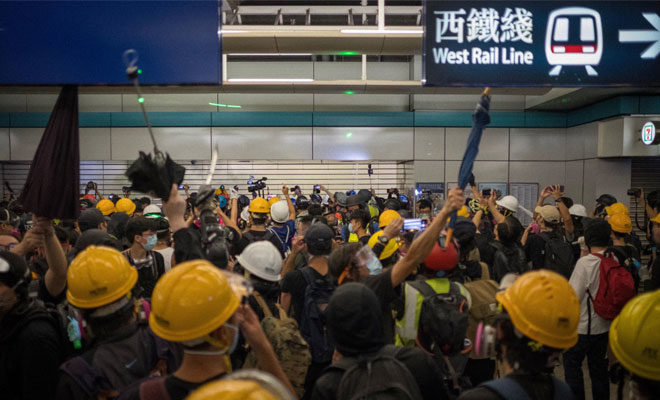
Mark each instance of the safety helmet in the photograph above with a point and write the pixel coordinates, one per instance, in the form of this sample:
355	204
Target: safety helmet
474	205
262	259
606	199
387	217
106	207
656	219
99	276
578	210
634	336
340	198
442	259
392	204
243	201
245	384
364	195
544	307
273	200
191	301
391	246
620	223
463	212
279	212
259	205
616	208
508	202
222	201
126	206
152	209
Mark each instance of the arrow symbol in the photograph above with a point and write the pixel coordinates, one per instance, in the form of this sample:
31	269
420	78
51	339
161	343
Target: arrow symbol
641	36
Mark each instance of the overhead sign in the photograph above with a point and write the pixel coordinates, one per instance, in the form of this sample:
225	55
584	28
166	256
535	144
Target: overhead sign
541	43
82	42
649	134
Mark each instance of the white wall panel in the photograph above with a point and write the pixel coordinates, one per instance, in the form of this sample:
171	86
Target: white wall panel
613	176
24	142
573	180
267	102
429	171
371	143
388	71
361	102
538	144
182	143
494	144
264	143
429	143
4	144
544	172
590	184
270	69
100	102
590	132
575	142
484	171
180	102
465	102
41	102
13	102
95	144
330	71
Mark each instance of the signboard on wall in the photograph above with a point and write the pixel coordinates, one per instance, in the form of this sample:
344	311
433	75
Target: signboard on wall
541	43
82	42
649	133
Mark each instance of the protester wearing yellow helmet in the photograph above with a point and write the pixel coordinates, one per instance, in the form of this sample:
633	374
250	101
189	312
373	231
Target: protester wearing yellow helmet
635	343
259	211
539	319
199	306
106	207
100	281
248	384
126	206
385	242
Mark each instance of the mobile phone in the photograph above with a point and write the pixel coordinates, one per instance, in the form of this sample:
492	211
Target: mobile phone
561	188
180	187
414	224
317	189
486	192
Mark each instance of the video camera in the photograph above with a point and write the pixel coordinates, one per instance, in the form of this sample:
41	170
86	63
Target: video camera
255	187
214	237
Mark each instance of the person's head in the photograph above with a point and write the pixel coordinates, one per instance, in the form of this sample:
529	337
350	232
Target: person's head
126	206
392	204
318	239
14	279
345	267
603	201
465	232
359	219
387	217
8	239
621	226
8	220
390	253
142	231
193	304
655	229
509	231
442	259
539	320
597	233
354	320
567	201
93	237
261	259
297	191
424	207
315	210
163	233
635	345
616	208
548	216
331	218
92	218
99	283
259	210
107	207
67	237
354	203
508	205
145	201
152	211
302	203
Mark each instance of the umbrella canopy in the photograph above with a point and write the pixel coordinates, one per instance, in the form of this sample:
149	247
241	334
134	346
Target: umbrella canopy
52	186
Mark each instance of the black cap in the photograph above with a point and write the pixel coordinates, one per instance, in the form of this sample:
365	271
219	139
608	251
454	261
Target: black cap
13	269
355	320
90	219
597	232
319	239
393	204
464	229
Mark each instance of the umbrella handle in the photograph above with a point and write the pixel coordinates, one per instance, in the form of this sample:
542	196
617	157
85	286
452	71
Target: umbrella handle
450	227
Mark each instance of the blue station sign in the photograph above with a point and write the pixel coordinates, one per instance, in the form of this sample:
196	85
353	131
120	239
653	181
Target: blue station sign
541	43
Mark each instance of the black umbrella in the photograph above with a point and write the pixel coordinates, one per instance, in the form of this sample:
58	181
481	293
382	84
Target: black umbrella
52	186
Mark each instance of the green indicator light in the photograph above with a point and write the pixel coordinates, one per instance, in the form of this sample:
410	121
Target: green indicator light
349	92
348	53
233	106
217	105
349	134
139	71
140	99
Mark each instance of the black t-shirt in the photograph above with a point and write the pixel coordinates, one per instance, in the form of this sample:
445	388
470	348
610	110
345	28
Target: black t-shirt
176	388
295	284
422	367
149	271
381	284
538	387
535	251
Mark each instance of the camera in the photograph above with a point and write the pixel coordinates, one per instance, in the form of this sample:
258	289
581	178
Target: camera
257	186
636	192
90	185
214	236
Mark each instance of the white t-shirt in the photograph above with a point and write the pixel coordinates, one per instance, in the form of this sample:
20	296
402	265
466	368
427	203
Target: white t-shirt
586	275
167	255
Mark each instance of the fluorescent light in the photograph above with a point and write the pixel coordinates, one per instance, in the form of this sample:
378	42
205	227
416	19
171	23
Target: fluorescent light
221	31
382	31
269	54
270	80
225	105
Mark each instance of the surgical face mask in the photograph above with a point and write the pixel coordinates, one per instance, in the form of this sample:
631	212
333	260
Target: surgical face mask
424	216
151	242
367	257
350	228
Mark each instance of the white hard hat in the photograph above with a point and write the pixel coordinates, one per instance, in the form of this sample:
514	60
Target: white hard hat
279	212
262	259
508	202
152	209
245	214
578	210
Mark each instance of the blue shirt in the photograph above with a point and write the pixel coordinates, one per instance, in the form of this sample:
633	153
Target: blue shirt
285	232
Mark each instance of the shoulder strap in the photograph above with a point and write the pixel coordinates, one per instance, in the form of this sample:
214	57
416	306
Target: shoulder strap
561	389
424	288
154	389
508	388
249	236
307	274
262	303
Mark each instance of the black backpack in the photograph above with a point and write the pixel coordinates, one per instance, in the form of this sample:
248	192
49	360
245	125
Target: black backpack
558	254
269	234
627	259
312	318
508	259
381	376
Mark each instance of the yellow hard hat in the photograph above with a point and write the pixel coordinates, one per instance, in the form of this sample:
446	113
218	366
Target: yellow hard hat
656	219
634	336
463	212
616	208
106	207
272	201
620	223
387	217
259	205
126	206
191	301
544	307
231	389
391	246
99	276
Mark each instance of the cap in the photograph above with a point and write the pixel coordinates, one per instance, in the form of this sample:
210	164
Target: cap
616	208
90	219
319	239
13	269
548	213
620	223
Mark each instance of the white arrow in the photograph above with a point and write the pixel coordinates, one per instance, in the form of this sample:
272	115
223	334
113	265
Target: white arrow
645	36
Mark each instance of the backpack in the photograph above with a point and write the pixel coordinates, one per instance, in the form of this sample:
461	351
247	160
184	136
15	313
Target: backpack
628	260
509	388
508	259
291	349
483	309
616	287
381	377
312	317
558	255
269	234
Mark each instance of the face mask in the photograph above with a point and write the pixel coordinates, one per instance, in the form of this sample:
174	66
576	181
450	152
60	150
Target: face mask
374	265
424	216
151	242
350	228
234	344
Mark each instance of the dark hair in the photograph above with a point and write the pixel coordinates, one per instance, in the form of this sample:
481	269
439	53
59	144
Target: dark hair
107	326
162	228
425	203
510	230
65	235
259	218
137	226
340	258
315	210
619	235
519	352
361	215
568	202
145	201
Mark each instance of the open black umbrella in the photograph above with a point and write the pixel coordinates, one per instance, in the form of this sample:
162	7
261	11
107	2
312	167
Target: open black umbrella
52	186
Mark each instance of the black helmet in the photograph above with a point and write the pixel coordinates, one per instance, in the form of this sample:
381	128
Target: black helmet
364	195
393	204
340	198
302	203
353	200
606	200
243	201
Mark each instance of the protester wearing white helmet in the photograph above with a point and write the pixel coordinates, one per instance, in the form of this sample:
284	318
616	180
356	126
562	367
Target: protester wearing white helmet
283	216
578	210
152	210
508	202
263	262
